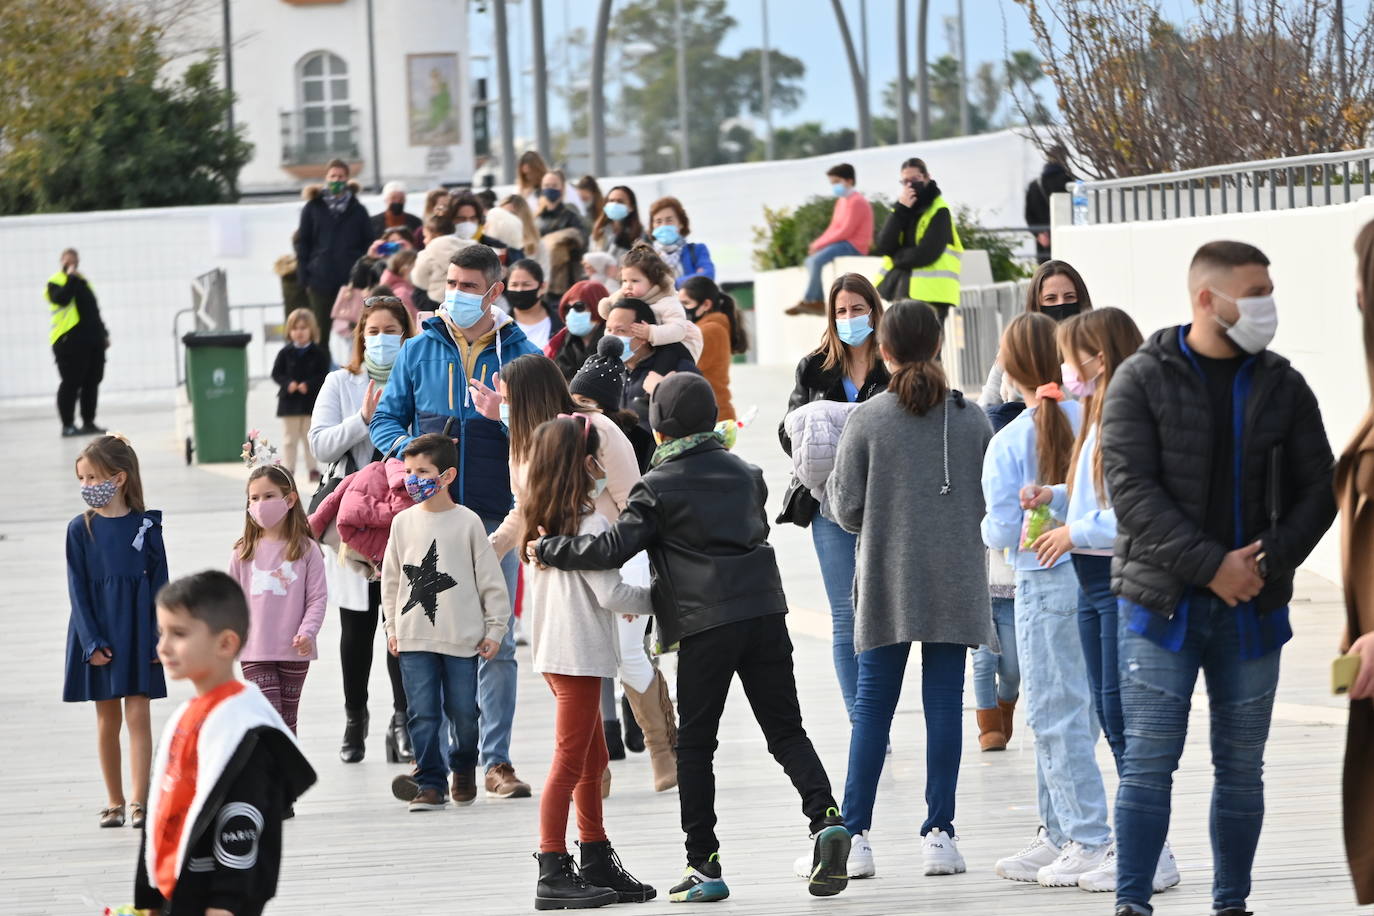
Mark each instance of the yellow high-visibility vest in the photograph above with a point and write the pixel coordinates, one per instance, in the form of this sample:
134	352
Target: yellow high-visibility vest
64	317
938	281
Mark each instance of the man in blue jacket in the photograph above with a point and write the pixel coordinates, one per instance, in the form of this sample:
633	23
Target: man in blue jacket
428	392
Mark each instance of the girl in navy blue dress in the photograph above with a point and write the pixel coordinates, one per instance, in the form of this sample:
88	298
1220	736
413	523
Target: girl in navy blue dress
115	565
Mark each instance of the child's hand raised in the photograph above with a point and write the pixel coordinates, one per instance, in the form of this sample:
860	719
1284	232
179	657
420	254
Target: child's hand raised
101	657
303	645
488	648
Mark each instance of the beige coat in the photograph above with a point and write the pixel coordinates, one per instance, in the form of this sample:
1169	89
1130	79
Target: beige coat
1355	497
430	272
673	325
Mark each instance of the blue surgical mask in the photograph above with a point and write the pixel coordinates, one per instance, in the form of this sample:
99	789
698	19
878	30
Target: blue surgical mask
628	353
667	235
382	349
854	331
421	488
839	189
466	309
616	211
598	487
504	411
580	323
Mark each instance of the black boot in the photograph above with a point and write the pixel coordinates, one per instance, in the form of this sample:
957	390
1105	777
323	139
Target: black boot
352	749
398	749
634	735
601	866
614	746
561	887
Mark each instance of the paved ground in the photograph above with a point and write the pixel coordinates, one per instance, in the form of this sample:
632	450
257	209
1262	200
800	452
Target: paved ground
352	849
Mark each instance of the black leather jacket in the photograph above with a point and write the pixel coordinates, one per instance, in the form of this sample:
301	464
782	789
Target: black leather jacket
701	517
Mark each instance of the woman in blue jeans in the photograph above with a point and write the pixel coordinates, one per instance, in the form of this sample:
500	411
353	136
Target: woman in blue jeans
846	368
1093	345
912	455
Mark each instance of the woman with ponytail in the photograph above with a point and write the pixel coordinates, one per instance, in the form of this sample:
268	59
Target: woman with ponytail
722	336
1031	452
907	465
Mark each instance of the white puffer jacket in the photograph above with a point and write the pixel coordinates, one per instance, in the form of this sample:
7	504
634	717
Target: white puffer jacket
815	430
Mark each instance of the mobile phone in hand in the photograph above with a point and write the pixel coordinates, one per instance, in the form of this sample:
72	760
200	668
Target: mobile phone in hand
389	247
1344	670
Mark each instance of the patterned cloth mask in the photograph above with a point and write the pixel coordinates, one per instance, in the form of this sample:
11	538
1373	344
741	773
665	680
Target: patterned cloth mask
99	495
421	488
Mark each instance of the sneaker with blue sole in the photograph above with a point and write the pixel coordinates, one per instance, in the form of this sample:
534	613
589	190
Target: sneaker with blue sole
830	858
701	883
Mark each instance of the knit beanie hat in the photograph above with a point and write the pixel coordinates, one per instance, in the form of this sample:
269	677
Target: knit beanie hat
682	404
602	376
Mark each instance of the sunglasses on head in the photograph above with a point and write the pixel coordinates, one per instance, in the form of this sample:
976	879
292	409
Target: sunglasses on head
370	301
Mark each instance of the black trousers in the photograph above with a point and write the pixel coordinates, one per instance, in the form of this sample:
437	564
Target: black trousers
81	367
322	303
760	652
358	634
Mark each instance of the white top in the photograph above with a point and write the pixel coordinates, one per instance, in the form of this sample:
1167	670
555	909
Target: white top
537	333
337	429
572	614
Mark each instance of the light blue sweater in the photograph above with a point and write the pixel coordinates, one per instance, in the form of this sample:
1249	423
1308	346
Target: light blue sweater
1091	527
1009	465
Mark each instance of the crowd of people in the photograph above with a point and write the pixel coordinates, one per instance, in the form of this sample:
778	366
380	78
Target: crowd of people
516	423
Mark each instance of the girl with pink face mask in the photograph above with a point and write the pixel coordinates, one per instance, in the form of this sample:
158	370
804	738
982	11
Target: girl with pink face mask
281	570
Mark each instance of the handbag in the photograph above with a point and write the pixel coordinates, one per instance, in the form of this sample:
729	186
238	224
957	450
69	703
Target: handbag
331	480
799	507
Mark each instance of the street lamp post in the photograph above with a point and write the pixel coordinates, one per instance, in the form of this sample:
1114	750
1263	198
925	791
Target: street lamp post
503	85
903	83
764	65
541	81
682	83
596	127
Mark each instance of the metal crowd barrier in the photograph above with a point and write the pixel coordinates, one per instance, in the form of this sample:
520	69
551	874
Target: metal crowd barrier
974	329
265	322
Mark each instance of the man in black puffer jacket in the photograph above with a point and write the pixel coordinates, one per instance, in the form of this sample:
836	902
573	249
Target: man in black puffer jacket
699	512
1220	473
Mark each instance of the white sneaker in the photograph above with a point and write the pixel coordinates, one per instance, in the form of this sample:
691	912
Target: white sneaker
940	853
1166	872
1026	864
861	857
1074	861
1101	879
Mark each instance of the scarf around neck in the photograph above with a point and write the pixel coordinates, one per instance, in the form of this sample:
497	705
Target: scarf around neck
378	374
725	433
337	203
671	255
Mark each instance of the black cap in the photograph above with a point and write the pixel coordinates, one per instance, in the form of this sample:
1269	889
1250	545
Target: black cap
683	404
602	376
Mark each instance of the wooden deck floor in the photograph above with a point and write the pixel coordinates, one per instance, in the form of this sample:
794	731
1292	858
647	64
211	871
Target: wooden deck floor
353	850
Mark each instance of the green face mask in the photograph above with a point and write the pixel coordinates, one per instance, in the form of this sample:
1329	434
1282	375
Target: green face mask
337	187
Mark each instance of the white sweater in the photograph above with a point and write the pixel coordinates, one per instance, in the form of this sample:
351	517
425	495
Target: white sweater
440	564
572	614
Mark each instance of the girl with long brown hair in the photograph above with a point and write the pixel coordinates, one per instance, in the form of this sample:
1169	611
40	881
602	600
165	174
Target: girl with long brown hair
339	439
574	643
1032	451
116	563
279	565
1057	290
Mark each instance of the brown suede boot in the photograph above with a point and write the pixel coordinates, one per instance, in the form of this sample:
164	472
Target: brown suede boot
1008	714
990	736
654	711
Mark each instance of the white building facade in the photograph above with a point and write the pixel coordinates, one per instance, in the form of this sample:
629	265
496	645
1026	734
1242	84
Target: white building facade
303	74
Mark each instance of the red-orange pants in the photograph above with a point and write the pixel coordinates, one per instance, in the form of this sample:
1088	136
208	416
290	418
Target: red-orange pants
579	759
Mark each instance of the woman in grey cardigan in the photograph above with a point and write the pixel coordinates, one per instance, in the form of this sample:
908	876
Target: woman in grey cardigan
907	481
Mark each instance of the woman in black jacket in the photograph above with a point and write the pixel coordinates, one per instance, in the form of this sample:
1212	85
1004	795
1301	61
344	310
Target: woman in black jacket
845	367
334	232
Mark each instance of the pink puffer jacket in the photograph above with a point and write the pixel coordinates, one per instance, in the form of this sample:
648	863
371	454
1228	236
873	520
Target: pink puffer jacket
362	507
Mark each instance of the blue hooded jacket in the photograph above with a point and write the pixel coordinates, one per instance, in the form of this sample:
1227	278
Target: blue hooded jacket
428	392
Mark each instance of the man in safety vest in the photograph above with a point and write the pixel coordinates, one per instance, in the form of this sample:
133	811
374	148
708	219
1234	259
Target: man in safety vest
79	341
922	254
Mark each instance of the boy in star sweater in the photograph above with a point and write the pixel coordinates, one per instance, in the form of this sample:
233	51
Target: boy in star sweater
445	604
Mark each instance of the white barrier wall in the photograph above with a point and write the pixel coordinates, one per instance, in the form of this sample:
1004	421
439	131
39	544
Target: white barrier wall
1143	267
141	262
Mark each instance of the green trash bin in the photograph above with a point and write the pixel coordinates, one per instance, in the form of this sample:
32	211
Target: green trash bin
217	383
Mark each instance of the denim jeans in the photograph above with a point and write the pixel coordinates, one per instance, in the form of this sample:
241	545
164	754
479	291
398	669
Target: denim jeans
1156	696
942	699
496	677
1097	626
998	676
835	549
1072	800
439	687
815	262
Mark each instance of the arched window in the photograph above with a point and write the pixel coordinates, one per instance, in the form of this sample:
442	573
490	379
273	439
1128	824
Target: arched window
327	119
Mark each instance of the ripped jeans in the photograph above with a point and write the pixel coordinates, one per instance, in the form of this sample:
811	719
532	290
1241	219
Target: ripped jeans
1156	695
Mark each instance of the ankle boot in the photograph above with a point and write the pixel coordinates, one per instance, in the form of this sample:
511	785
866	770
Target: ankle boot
601	867
990	734
398	749
561	887
634	735
355	730
614	745
1008	714
654	711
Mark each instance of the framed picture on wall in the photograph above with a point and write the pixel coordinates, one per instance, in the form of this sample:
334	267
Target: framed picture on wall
432	87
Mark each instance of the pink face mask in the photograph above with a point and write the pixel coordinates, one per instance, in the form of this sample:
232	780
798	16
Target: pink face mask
1075	385
268	512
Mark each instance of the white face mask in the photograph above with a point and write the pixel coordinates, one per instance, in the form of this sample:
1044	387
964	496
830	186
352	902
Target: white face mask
465	230
1257	324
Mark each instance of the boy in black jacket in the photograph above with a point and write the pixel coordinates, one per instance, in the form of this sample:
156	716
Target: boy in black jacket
716	590
1220	474
215	853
